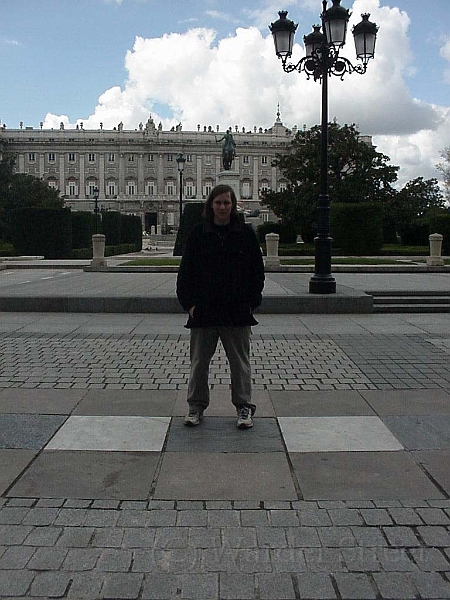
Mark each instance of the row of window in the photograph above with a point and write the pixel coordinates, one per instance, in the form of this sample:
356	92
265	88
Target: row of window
189	190
111	157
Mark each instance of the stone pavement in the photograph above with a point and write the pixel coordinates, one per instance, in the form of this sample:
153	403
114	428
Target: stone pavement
340	491
68	289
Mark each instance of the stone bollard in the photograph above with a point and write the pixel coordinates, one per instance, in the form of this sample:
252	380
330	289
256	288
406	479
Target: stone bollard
158	230
272	259
435	259
98	250
152	230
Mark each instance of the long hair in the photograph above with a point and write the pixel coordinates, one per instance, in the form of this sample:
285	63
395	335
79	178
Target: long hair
222	188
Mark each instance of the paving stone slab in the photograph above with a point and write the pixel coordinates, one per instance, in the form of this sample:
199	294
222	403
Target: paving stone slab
214	476
395	586
436	536
28	432
436	463
431	585
316	586
12	463
160	586
237	586
355	586
425	432
277	586
38	401
15	583
221	405
200	585
408	402
122	586
335	434
319	403
220	434
74	474
361	475
114	434
144	403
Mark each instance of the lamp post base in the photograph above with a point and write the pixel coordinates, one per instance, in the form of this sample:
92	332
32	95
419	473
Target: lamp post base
322	284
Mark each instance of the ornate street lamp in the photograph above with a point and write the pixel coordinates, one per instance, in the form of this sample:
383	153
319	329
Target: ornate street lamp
322	59
180	164
95	193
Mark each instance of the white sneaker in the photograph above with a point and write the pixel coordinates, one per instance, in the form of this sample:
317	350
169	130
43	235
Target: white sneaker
245	420
194	417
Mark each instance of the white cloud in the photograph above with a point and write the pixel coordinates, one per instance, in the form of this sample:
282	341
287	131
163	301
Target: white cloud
194	78
445	50
418	154
268	13
445	53
221	16
9	42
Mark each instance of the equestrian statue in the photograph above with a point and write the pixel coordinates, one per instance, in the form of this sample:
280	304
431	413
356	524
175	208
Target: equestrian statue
228	150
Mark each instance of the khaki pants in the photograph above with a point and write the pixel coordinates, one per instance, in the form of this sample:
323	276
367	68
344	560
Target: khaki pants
236	342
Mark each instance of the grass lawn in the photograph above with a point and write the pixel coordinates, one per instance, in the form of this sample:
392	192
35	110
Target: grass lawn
343	261
153	262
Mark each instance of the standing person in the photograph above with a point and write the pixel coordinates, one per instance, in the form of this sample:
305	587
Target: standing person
220	282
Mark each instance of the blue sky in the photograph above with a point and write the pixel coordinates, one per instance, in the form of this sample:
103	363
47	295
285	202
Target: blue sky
111	61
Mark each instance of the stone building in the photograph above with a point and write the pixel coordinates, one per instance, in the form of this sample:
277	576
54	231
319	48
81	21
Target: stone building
135	171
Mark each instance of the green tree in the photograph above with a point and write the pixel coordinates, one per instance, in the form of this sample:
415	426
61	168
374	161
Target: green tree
294	208
26	191
18	190
418	197
416	201
356	173
6	172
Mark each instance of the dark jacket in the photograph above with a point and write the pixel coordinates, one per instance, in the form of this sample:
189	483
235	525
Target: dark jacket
221	275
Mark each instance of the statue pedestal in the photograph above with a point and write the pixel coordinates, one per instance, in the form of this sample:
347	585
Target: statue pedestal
230	178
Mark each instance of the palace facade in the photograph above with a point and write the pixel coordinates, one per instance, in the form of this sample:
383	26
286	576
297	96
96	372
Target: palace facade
135	171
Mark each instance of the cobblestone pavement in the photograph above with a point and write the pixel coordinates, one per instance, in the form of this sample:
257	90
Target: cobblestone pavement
109	549
280	362
340	491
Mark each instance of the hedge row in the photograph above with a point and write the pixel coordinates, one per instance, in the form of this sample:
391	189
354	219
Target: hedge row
286	231
192	214
56	233
86	253
6	249
357	228
38	231
441	224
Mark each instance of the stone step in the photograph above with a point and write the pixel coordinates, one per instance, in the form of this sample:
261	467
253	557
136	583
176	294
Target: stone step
401	293
411	308
389	301
411	300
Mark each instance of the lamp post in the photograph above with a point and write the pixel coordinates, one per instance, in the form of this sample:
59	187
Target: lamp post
95	193
180	164
322	59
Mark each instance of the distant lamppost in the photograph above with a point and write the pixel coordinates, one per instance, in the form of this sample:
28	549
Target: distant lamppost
180	164
322	59
95	193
